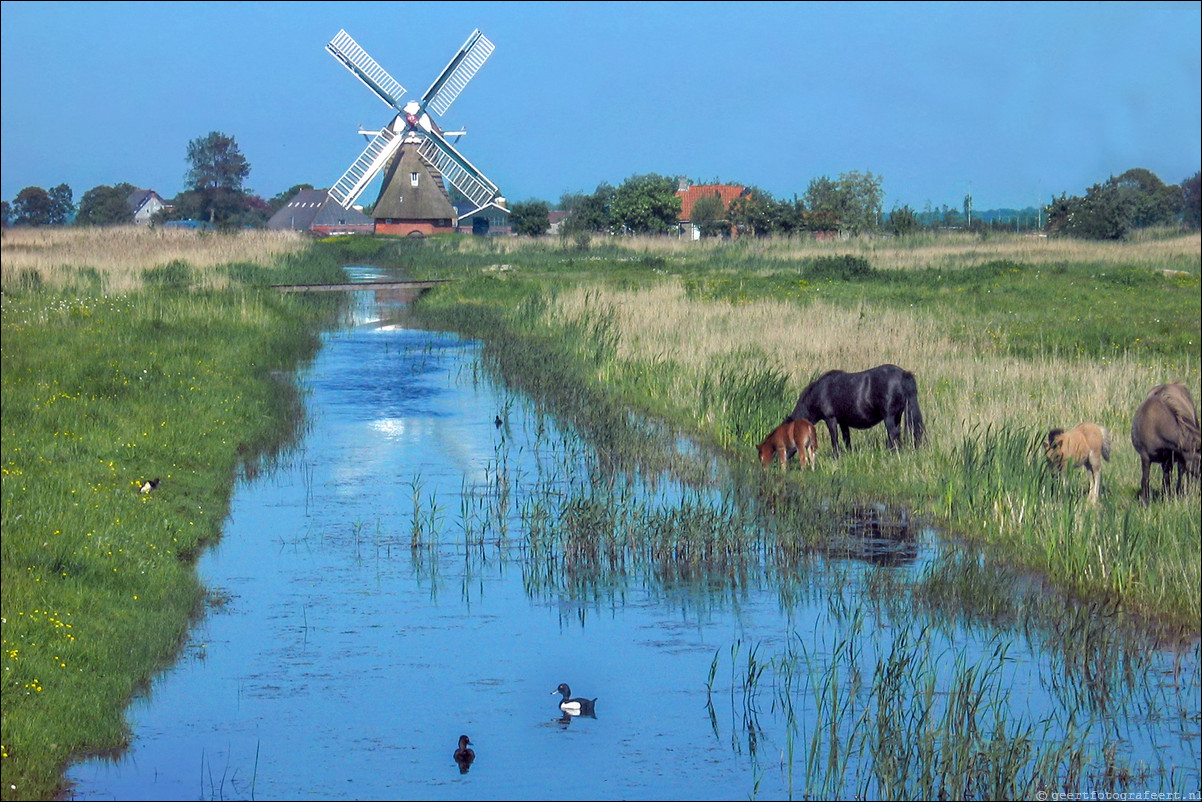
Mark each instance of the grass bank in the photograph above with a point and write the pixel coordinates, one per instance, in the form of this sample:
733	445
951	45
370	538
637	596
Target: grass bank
104	389
719	340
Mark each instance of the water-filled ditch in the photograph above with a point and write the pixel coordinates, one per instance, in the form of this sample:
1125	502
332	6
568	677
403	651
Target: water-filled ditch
437	555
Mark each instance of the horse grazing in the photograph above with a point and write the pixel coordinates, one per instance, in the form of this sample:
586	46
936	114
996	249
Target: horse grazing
861	401
1087	445
1165	431
791	437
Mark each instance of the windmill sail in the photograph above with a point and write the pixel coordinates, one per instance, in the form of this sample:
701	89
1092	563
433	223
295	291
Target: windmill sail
462	174
365	68
457	73
370	162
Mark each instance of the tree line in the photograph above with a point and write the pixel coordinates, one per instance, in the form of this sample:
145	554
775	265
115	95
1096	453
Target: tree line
850	204
214	195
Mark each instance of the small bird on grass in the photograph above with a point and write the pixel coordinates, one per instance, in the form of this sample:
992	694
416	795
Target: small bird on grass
146	487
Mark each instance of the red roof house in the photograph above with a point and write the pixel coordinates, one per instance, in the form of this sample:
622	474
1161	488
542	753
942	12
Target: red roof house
691	194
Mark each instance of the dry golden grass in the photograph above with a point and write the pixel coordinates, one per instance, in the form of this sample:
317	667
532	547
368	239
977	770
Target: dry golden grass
120	254
962	385
942	250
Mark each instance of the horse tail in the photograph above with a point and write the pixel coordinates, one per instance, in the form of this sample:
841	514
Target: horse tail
912	412
1105	443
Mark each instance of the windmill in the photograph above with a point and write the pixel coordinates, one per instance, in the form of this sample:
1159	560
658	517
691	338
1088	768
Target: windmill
413	146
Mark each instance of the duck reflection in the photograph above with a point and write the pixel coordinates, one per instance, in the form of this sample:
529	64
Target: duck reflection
567	717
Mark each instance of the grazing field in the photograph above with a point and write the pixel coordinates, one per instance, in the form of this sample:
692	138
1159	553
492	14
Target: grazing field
132	355
106	387
1009	337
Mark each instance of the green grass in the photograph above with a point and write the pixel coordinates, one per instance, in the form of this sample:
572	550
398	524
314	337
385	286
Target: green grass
99	394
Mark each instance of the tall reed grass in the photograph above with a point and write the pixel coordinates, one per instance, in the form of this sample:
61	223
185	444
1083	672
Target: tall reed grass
726	367
113	259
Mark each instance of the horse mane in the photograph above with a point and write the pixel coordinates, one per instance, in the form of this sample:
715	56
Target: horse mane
1179	402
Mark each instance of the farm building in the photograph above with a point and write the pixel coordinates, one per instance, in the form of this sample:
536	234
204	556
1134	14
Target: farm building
143	203
689	194
487	222
312	210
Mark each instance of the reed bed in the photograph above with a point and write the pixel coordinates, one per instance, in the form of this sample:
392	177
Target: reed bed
999	361
115	258
905	688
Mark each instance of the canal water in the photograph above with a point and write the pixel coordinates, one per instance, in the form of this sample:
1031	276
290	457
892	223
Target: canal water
438	554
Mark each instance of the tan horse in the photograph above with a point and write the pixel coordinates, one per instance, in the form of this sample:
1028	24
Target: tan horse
791	437
1087	445
1165	431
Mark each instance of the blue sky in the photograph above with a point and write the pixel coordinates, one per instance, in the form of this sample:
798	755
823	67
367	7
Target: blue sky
1011	102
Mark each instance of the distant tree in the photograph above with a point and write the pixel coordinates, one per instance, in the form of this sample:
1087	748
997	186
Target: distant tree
646	204
752	212
33	206
530	219
1155	203
588	213
216	170
786	217
61	206
709	215
105	206
903	221
5	213
1109	210
253	212
1191	201
861	201
852	204
824	205
279	201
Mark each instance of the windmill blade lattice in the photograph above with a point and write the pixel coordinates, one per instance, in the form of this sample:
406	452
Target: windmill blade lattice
458	170
381	148
457	73
365	68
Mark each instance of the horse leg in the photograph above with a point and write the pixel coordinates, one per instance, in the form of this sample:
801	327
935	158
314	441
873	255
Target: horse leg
893	430
846	436
830	427
1095	478
1145	465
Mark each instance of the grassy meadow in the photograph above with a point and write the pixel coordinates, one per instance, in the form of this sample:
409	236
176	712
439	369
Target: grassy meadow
123	362
131	354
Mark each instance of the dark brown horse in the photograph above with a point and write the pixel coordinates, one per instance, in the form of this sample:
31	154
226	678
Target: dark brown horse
1165	432
861	400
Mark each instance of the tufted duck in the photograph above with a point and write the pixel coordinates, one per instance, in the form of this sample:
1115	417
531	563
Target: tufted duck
574	707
